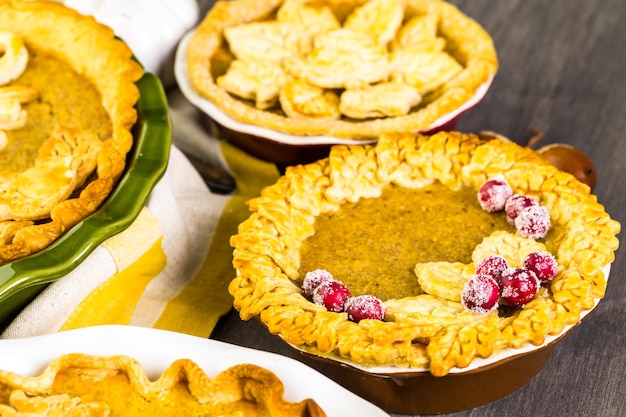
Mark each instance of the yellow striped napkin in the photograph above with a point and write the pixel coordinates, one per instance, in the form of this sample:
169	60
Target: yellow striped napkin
169	270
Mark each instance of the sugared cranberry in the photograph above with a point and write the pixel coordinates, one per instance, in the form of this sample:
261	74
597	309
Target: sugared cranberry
480	294
533	222
331	294
515	204
493	194
313	279
519	286
364	307
543	264
492	265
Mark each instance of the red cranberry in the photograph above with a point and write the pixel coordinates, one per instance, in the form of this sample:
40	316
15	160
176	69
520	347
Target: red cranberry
313	279
493	194
492	265
533	222
364	307
519	286
332	295
543	264
515	204
480	294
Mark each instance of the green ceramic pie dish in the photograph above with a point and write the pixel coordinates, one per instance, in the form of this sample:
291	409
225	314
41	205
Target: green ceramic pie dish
23	279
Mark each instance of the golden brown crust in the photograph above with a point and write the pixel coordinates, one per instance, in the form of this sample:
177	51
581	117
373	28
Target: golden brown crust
429	329
92	51
117	385
466	41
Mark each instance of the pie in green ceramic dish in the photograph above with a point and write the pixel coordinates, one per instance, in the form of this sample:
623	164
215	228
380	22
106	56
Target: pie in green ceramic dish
67	100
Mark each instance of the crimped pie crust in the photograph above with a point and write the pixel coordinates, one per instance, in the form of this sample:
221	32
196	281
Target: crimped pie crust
78	384
426	330
92	51
207	56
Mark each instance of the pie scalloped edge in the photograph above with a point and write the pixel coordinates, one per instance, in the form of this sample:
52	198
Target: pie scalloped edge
244	382
266	251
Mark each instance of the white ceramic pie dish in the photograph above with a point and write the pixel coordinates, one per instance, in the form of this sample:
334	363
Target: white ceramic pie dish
280	147
156	349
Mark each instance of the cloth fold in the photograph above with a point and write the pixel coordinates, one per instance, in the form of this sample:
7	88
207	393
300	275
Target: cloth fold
171	268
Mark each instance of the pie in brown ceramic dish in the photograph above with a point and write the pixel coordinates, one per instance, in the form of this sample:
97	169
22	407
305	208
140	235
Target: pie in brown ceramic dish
67	99
348	69
85	385
400	220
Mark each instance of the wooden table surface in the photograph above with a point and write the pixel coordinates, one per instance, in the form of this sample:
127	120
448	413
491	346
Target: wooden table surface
562	68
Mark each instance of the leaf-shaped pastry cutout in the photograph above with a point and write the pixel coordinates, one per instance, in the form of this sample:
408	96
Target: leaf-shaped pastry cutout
380	100
83	146
308	17
443	279
419	34
424	70
420	306
64	161
34	192
259	81
301	99
341	59
267	41
379	18
512	247
459	344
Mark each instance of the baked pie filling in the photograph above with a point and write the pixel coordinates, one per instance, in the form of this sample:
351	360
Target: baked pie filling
85	385
371	257
351	69
66	109
400	220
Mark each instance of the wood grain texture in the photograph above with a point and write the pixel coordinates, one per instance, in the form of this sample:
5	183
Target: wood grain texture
562	72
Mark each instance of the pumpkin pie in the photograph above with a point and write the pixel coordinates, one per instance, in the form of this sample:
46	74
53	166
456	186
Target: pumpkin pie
402	221
343	68
67	97
78	384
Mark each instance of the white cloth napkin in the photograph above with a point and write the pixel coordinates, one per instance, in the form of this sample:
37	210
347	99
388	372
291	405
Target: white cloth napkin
152	28
173	232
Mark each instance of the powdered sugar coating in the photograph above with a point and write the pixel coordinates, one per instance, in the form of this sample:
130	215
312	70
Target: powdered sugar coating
480	294
493	193
533	222
364	307
492	265
331	294
519	286
515	204
314	279
543	264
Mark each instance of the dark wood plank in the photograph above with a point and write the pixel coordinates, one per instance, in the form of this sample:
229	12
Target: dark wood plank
561	71
562	65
